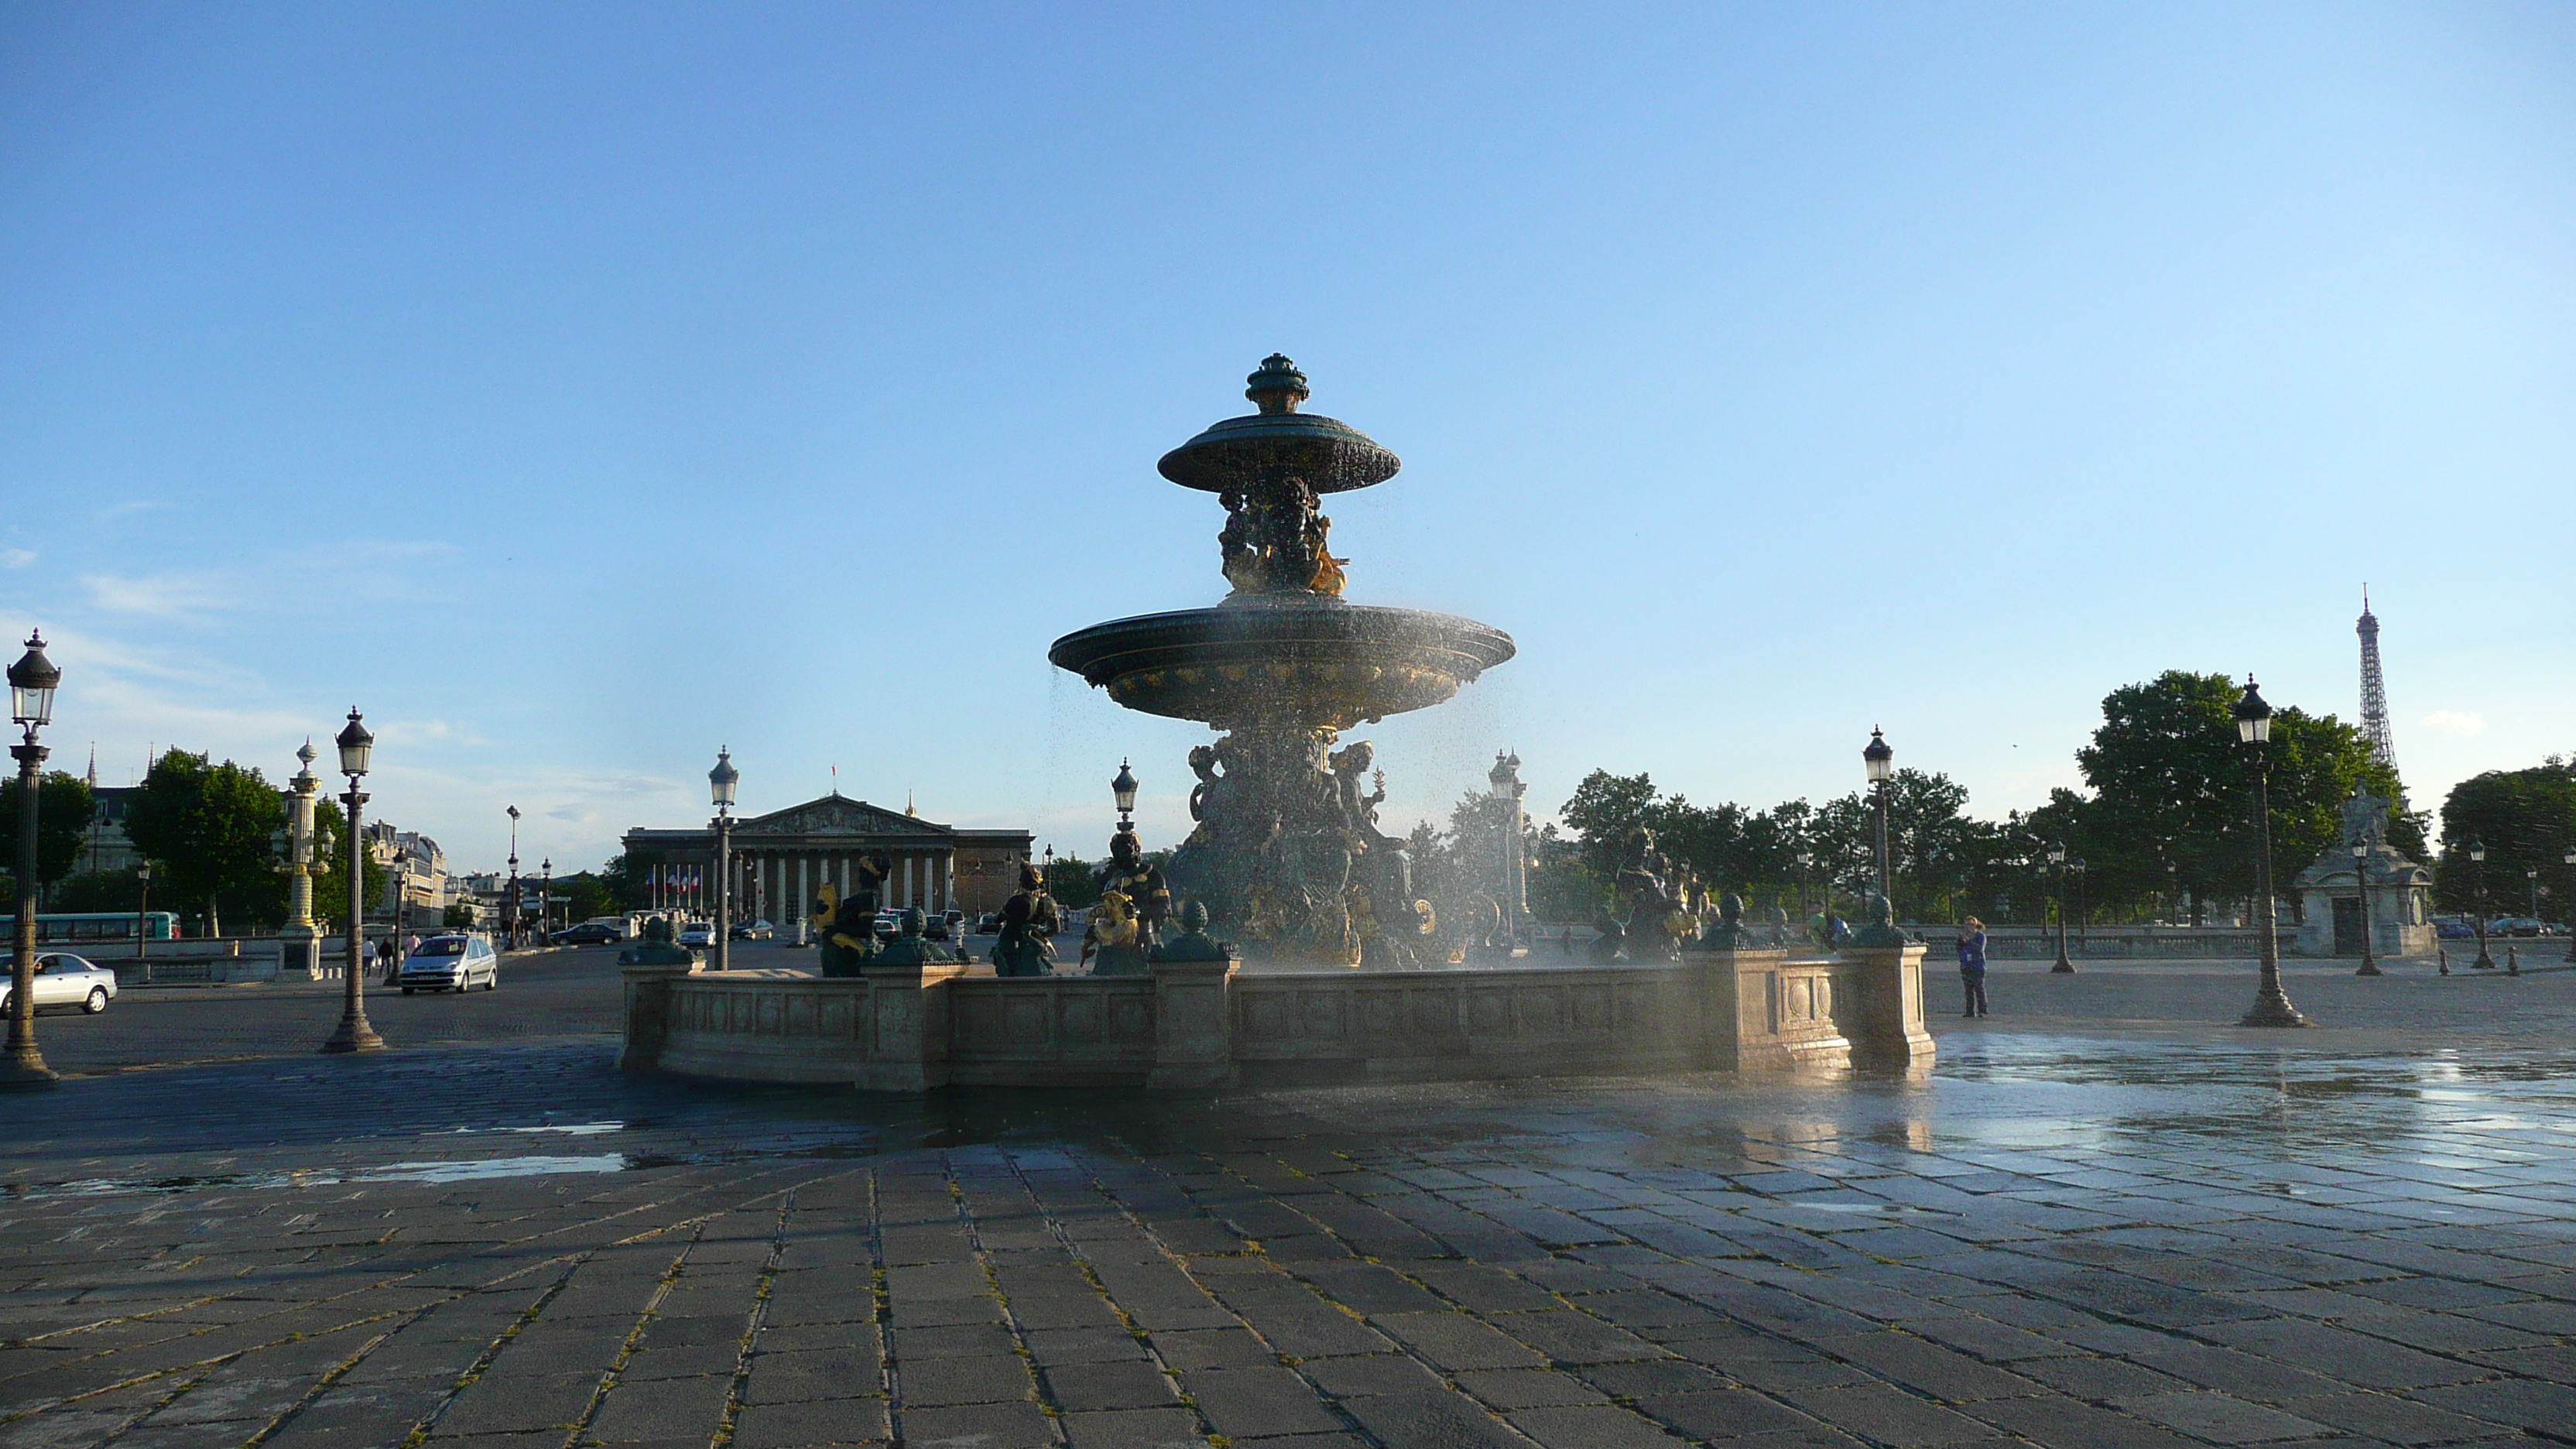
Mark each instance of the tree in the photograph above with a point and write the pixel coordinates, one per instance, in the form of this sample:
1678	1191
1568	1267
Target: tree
1068	879
63	809
2172	804
2527	820
208	827
331	887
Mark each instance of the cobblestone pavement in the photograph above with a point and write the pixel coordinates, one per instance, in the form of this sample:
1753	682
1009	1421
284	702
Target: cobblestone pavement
2154	1232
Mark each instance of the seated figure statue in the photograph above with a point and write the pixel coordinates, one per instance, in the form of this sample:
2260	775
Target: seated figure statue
1030	920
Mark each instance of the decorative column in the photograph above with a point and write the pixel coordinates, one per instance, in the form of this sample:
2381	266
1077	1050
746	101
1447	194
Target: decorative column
299	941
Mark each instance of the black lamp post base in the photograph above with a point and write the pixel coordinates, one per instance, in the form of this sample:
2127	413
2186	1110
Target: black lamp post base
26	1068
2370	968
354	1035
2063	967
2272	1008
2484	962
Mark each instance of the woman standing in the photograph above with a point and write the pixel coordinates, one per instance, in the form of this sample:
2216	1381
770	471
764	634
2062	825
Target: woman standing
1972	965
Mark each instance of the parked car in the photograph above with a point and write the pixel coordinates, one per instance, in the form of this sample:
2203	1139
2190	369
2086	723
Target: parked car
988	924
889	925
451	963
588	933
63	979
752	931
698	933
2451	928
2514	926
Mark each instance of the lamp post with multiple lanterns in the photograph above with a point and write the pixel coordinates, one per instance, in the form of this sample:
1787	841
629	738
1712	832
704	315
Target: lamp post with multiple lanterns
1806	893
721	783
143	918
2254	733
353	1034
32	681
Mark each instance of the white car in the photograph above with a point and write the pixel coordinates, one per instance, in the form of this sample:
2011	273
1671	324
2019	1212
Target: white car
63	979
451	963
701	934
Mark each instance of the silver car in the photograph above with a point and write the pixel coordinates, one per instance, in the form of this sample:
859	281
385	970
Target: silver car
451	963
63	979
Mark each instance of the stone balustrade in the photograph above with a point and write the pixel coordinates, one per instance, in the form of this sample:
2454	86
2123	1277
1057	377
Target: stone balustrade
1202	1024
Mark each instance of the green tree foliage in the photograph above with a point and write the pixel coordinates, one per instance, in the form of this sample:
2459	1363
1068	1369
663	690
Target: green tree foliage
209	826
1068	879
2172	804
97	890
589	894
629	882
2527	820
63	809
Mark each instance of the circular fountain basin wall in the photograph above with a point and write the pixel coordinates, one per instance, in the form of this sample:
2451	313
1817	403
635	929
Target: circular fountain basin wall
1308	661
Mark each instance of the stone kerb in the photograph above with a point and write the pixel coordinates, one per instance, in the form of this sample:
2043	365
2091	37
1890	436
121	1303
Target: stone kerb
1879	1006
1761	1011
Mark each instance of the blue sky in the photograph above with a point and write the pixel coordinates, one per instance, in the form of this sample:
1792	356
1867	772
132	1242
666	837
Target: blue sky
576	388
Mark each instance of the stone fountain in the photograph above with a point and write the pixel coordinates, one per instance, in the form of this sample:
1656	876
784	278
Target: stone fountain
1286	853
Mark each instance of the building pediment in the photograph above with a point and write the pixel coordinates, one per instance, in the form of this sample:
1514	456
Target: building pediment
837	815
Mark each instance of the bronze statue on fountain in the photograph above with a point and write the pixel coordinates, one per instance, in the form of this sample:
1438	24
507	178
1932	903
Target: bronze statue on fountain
1284	847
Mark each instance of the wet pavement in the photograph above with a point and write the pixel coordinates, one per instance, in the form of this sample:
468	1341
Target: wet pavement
2104	1218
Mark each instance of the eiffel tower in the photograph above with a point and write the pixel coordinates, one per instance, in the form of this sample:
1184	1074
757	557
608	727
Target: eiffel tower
2374	693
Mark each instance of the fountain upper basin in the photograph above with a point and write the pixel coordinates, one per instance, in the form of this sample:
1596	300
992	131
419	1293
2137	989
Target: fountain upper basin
1312	661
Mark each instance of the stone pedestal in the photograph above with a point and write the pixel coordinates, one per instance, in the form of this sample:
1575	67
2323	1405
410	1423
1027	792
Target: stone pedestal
1879	1006
648	1011
299	952
1762	1011
908	1024
1193	1024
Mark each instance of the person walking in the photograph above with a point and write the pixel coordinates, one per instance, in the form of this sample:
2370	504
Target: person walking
1972	965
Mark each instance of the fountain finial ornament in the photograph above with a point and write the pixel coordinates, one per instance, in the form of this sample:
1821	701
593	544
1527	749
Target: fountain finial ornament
1278	387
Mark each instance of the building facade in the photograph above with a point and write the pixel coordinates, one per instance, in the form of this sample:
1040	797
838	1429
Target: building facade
782	860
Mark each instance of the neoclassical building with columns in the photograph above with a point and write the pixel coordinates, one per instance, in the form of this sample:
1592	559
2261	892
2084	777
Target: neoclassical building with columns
782	860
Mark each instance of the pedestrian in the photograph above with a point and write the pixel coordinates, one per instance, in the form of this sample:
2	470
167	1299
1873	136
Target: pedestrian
391	954
1837	932
1566	945
1972	965
366	954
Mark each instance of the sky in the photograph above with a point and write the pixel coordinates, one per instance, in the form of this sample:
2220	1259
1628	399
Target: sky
577	388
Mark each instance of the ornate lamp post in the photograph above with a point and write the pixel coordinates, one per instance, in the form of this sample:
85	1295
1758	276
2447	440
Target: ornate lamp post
2083	905
2361	885
143	918
1123	790
1505	778
1806	898
32	681
545	899
2057	862
2478	858
510	902
721	782
2533	876
1879	759
2254	732
353	1033
2569	859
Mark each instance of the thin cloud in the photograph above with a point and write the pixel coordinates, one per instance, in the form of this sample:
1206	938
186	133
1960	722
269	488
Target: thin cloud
2456	722
16	558
120	510
171	596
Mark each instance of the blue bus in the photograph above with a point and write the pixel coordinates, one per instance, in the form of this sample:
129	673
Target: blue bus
70	926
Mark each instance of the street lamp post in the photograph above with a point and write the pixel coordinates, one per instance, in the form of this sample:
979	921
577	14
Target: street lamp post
721	783
2083	904
2057	861
2533	875
32	681
545	900
353	1034
2361	886
1878	758
1123	790
510	902
2478	858
143	919
2569	859
2254	731
1806	898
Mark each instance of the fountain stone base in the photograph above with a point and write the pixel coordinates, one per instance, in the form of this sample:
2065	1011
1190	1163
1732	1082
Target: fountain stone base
1196	1025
